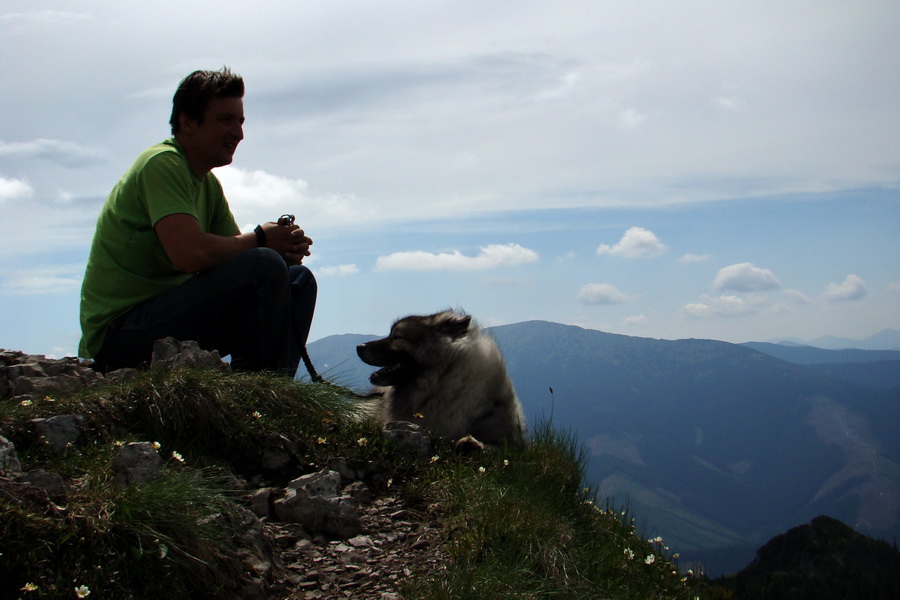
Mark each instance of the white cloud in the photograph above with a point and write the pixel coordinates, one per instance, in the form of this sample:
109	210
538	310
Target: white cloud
601	293
695	258
256	196
14	189
338	270
636	320
798	296
852	288
259	188
722	306
50	280
68	154
636	243
490	257
745	277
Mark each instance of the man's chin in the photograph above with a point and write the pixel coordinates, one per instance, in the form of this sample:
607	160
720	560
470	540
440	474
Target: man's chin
225	160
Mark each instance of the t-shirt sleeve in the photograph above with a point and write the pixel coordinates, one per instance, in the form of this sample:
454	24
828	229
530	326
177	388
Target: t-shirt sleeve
167	187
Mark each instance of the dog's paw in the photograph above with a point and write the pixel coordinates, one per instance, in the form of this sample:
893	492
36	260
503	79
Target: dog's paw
468	445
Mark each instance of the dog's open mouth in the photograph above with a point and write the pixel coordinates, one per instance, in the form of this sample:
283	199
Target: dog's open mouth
391	374
396	367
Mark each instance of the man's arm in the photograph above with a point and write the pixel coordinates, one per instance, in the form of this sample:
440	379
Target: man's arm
190	250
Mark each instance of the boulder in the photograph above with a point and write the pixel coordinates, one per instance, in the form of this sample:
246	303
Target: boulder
409	437
136	462
52	483
9	462
170	353
315	502
59	432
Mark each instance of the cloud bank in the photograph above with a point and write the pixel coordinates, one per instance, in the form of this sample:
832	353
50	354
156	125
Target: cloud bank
491	257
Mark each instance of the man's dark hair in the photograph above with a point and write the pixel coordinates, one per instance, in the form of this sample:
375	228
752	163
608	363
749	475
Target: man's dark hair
193	93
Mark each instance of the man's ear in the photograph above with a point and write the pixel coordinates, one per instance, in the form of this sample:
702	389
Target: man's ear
186	124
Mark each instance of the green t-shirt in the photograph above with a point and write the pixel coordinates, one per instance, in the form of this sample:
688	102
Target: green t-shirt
127	264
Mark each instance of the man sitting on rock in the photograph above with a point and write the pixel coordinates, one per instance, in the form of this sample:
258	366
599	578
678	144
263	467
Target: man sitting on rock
168	259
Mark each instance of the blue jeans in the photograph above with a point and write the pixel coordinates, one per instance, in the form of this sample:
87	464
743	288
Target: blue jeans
252	306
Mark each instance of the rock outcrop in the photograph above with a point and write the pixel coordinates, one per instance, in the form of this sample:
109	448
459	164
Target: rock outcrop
324	535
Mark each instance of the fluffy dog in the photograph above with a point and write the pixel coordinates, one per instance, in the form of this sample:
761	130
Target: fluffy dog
444	372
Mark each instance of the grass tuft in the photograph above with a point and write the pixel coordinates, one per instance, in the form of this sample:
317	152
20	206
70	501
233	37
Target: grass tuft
521	524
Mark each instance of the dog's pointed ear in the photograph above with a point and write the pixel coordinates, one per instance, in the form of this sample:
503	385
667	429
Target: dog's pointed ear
455	325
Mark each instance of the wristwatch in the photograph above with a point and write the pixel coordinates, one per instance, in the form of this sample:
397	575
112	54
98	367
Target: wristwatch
260	236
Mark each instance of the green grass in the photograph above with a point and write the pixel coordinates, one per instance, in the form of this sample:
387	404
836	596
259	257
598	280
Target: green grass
521	524
518	522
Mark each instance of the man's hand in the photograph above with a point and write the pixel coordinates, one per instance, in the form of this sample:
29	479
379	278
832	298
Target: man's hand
288	240
190	250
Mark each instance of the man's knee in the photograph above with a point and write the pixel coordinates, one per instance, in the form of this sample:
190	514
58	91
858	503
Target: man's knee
261	265
302	277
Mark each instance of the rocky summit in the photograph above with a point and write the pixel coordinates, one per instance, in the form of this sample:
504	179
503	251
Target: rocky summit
326	534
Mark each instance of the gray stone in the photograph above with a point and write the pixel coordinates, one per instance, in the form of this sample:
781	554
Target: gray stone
136	462
360	492
408	437
9	462
314	502
324	483
47	385
52	483
340	465
174	354
257	551
279	454
260	501
59	432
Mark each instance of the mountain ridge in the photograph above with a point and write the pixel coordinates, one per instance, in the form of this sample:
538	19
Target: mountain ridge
886	339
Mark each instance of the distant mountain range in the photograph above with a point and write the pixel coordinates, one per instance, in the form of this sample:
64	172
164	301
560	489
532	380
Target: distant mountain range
714	446
870	368
887	339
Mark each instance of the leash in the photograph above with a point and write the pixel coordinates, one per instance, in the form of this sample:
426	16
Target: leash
313	374
288	219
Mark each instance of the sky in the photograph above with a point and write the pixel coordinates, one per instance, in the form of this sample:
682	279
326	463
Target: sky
700	169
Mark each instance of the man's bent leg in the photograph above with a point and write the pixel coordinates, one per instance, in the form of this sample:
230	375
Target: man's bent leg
239	307
304	290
